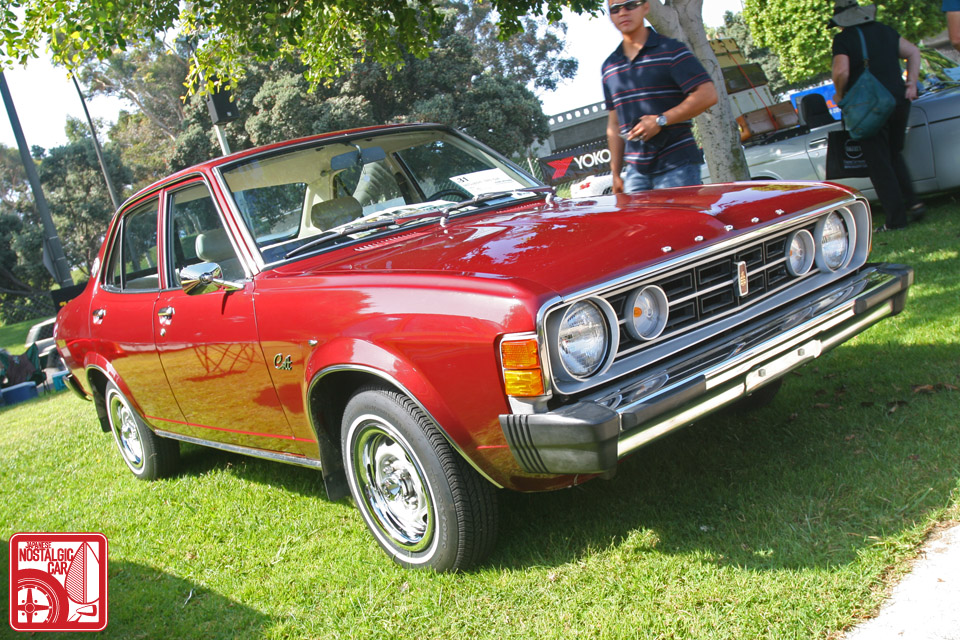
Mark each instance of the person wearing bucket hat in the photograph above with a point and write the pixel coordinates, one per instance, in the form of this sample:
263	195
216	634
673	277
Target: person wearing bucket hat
885	48
847	13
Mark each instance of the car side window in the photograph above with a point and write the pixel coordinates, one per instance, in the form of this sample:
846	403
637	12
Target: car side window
133	264
198	235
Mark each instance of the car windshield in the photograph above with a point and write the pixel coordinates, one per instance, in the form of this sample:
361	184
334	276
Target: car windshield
349	187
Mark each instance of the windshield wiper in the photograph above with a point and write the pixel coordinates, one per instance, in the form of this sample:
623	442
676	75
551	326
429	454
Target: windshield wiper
403	220
486	198
350	229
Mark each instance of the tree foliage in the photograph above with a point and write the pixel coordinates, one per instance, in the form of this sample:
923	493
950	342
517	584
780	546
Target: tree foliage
276	102
21	238
79	202
797	30
496	111
142	147
323	34
151	76
534	53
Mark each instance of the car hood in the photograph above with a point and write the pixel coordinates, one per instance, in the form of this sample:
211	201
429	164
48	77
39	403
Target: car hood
572	244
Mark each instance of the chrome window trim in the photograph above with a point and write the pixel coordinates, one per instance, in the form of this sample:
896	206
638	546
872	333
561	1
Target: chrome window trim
169	191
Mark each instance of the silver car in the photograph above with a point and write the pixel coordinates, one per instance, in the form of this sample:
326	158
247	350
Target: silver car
932	151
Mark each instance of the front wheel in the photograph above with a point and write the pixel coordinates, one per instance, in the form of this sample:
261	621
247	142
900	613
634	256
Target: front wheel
147	455
421	500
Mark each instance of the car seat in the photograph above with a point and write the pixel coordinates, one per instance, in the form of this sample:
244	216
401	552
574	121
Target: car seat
814	111
332	213
214	246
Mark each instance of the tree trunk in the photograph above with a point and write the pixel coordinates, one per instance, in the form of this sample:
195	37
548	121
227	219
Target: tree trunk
683	20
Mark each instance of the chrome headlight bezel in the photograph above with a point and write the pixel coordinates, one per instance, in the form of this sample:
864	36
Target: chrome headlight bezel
808	246
846	221
609	334
656	295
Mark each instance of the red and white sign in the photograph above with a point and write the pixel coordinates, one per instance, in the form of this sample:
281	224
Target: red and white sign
58	582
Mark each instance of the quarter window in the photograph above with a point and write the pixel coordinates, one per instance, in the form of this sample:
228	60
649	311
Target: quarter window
133	257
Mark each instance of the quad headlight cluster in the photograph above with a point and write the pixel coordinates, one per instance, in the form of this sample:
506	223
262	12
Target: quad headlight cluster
587	333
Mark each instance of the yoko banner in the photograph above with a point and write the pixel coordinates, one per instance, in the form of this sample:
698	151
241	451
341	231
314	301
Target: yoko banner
579	162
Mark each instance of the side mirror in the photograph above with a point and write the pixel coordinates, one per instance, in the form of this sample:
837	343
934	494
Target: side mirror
205	277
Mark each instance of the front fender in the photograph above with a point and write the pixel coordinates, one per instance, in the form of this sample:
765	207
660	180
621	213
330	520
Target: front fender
463	400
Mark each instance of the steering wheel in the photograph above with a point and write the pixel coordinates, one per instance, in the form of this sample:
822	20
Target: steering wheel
448	192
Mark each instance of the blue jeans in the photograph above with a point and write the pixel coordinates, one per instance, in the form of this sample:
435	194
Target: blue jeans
685	175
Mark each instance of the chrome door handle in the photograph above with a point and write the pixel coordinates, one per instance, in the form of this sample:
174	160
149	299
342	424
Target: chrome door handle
166	312
99	313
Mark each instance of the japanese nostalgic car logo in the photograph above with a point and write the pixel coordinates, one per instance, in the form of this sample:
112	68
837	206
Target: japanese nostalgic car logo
742	282
283	363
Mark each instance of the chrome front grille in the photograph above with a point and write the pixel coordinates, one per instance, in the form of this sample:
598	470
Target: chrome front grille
702	290
707	290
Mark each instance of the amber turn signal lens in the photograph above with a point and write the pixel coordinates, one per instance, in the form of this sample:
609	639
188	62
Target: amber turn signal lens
524	383
519	354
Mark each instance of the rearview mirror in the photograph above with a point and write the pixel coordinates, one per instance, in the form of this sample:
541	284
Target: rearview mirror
353	158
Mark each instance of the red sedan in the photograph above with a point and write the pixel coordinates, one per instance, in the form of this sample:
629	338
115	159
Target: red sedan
424	322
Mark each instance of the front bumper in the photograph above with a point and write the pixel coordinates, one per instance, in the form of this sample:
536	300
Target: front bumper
591	435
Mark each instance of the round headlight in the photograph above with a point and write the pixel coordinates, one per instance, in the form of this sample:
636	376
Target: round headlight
647	312
800	252
834	242
582	339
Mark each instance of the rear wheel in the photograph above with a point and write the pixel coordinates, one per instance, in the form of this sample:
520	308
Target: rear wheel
147	455
422	501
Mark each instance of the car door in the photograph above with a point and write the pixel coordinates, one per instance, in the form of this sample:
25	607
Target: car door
122	314
208	342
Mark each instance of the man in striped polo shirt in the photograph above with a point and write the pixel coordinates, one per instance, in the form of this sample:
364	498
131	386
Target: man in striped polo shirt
652	86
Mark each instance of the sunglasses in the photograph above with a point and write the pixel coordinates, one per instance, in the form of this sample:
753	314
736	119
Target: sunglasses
629	5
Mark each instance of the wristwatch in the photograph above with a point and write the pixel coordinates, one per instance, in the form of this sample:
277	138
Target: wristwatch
661	121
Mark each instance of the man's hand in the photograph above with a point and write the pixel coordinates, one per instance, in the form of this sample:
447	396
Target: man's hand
645	129
617	183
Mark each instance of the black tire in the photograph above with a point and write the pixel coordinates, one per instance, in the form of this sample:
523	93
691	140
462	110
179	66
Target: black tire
761	397
147	455
423	503
41	600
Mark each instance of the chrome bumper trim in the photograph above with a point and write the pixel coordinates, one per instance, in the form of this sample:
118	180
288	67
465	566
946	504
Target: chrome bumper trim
593	433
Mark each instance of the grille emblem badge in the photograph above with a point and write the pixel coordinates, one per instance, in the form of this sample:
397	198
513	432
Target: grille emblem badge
742	282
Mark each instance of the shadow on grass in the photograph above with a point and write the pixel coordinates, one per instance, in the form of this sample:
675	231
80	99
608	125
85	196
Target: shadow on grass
197	461
846	456
146	603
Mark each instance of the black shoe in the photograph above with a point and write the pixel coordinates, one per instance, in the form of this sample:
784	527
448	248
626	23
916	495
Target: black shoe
916	212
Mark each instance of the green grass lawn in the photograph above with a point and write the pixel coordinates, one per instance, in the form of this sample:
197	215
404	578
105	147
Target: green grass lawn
12	336
787	522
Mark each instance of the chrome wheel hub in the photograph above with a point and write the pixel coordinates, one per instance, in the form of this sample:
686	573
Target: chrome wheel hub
392	483
125	428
